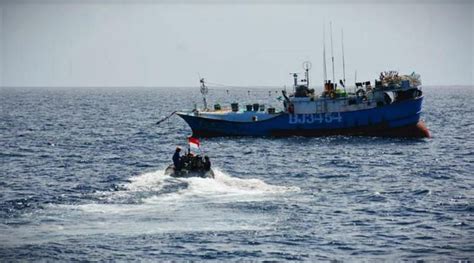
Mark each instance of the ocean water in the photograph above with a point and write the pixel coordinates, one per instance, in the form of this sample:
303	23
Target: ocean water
82	179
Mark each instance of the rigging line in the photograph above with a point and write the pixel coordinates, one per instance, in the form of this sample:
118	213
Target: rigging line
219	84
245	90
216	85
165	118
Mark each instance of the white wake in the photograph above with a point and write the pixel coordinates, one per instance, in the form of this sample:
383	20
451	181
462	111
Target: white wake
153	203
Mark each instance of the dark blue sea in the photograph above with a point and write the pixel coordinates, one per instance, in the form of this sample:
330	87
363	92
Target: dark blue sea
82	178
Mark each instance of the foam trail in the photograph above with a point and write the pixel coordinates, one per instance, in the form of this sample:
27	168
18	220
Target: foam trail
223	186
147	181
223	183
139	187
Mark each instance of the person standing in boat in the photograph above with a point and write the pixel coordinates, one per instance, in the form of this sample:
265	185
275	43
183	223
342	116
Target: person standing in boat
177	159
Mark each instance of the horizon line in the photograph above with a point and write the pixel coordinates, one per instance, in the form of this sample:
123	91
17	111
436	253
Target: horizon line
197	87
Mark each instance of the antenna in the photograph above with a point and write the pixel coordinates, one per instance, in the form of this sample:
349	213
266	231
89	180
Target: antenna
355	79
343	61
204	91
295	78
332	56
307	66
324	55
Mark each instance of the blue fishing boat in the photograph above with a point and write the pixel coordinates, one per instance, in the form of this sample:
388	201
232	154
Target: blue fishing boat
390	108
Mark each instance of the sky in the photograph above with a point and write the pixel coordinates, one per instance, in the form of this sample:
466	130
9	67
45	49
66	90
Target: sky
118	43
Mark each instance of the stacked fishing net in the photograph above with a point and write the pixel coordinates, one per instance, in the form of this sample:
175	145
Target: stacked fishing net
413	78
392	78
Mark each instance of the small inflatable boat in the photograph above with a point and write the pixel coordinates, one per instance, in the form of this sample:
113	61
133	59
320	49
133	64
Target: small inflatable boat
185	173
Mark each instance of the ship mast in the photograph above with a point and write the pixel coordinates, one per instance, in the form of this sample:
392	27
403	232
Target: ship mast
332	56
343	61
324	56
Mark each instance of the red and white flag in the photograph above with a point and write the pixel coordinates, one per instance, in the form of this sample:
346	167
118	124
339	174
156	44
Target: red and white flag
193	142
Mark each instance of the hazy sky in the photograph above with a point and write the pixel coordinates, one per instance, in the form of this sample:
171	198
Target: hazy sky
168	43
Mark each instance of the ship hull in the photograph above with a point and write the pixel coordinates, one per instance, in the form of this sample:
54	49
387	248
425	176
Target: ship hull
399	119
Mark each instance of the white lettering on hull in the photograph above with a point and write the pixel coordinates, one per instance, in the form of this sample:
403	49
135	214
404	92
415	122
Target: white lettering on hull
328	117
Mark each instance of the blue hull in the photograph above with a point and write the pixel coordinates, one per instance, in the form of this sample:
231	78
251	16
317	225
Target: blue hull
400	119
